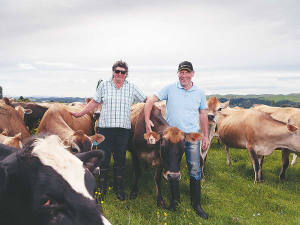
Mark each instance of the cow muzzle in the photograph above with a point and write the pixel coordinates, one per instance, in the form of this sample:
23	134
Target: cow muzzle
172	176
211	117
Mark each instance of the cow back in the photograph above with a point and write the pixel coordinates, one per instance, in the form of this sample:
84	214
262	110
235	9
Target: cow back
281	114
58	120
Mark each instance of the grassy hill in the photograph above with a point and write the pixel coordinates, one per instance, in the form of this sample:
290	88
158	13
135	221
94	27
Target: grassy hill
294	97
247	101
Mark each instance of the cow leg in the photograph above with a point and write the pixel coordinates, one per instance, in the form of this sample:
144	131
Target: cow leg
137	175
202	162
293	163
285	163
255	163
175	194
226	148
103	183
260	163
157	179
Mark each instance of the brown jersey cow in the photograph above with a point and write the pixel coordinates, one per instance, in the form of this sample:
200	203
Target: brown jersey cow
11	120
163	147
74	132
258	132
283	114
214	107
14	141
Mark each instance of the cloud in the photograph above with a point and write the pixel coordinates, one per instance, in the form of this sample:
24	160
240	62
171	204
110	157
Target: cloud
24	66
64	47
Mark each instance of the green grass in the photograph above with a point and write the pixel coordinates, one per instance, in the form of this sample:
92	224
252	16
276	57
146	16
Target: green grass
229	194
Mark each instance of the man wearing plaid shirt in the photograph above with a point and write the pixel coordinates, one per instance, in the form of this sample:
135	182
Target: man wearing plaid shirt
116	96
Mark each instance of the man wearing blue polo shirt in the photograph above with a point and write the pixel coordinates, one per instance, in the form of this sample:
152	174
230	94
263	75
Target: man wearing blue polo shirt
186	106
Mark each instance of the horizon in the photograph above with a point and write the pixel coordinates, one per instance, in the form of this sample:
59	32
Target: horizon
10	96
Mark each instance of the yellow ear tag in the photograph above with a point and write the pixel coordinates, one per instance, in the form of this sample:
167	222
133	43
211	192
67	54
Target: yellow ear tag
151	140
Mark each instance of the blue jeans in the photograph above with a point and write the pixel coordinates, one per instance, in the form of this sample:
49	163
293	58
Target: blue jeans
192	155
115	142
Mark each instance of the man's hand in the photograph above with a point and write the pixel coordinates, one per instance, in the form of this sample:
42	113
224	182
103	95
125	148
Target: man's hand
149	124
74	113
205	143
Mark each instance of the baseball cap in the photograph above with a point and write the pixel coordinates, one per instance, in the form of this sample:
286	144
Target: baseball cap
185	66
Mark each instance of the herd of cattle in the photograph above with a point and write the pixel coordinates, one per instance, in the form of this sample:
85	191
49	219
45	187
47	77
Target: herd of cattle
37	175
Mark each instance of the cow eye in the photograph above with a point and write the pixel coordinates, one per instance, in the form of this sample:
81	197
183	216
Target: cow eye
219	109
74	150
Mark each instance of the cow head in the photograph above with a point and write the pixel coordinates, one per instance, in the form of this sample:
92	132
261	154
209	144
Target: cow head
80	142
214	106
14	141
172	147
22	111
45	184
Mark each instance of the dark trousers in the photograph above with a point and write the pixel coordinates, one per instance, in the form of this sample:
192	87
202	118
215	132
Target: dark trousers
116	140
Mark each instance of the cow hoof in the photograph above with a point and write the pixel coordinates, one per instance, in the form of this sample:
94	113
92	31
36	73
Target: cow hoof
133	195
172	207
120	195
281	178
162	205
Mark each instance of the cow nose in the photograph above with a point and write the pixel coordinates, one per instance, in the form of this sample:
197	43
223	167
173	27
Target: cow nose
96	115
211	117
173	176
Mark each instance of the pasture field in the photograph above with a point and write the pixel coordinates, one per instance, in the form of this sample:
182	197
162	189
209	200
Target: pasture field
229	194
276	98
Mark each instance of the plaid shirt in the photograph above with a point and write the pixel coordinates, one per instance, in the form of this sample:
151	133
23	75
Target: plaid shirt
116	104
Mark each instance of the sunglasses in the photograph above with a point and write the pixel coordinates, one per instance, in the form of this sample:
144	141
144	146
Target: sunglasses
118	71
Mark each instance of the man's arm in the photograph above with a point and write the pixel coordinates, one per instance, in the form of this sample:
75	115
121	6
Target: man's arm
90	106
204	126
148	108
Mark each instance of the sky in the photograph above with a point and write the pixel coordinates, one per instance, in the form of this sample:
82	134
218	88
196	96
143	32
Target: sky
63	47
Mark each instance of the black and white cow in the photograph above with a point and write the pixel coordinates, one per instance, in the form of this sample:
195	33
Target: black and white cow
45	184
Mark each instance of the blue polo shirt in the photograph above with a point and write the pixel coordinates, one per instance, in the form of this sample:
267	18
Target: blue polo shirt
183	106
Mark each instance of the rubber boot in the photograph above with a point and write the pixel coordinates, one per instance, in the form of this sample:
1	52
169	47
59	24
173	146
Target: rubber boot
118	180
195	189
103	183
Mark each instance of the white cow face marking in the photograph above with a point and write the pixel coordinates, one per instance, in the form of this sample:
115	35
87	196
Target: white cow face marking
67	165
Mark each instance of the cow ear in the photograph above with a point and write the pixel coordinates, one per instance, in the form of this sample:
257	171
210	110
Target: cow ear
193	137
3	180
87	100
98	138
225	105
66	142
151	137
18	137
5	132
291	127
27	111
91	159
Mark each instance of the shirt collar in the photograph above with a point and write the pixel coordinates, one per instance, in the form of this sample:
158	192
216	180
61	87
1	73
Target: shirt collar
180	86
112	82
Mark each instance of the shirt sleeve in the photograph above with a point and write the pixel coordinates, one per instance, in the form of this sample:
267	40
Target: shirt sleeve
139	95
162	94
99	93
203	104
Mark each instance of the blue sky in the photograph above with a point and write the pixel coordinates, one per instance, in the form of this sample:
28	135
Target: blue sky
62	48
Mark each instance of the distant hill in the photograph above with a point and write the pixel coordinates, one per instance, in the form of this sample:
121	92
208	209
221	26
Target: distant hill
247	101
50	99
